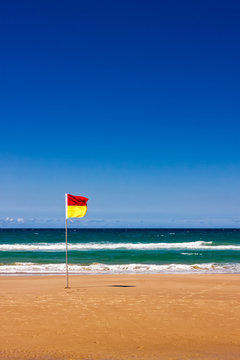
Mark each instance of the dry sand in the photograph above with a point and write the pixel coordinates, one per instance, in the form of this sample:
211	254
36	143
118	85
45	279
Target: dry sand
148	317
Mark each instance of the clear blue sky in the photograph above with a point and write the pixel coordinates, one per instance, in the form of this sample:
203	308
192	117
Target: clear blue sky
134	104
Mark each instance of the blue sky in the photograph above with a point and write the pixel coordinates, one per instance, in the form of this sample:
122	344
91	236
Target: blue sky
134	104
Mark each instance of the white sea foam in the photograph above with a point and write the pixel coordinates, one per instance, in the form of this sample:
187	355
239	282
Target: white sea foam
189	253
96	268
195	245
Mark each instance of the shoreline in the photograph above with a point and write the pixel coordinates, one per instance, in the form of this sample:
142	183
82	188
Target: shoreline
147	317
56	269
116	274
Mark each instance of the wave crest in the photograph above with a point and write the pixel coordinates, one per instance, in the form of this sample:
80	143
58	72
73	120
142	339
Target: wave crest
97	268
202	245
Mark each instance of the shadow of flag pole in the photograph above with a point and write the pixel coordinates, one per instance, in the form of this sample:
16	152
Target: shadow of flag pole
75	207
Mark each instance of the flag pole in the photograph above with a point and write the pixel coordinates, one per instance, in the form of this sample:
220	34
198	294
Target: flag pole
66	241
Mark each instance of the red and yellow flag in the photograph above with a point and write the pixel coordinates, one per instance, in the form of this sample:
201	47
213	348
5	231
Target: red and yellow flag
76	206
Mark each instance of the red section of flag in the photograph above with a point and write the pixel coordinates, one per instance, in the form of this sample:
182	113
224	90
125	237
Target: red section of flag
76	200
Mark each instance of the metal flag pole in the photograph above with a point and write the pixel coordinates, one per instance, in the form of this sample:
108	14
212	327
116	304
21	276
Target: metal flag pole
66	242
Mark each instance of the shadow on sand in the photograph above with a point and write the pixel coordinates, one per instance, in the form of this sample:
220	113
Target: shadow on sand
96	286
122	286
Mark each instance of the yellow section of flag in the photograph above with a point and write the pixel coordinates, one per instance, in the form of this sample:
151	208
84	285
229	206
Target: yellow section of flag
76	211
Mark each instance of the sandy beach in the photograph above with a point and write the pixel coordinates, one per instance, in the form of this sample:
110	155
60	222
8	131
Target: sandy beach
175	317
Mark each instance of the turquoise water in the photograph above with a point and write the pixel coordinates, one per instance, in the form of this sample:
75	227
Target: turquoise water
120	251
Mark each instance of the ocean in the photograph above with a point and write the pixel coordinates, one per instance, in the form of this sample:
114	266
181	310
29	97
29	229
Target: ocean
119	251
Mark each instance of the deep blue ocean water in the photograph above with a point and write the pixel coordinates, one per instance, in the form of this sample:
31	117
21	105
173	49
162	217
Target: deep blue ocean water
100	251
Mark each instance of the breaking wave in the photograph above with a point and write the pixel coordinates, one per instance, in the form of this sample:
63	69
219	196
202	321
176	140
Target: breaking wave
201	245
97	268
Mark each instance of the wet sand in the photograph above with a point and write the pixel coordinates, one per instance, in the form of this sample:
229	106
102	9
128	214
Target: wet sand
177	317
